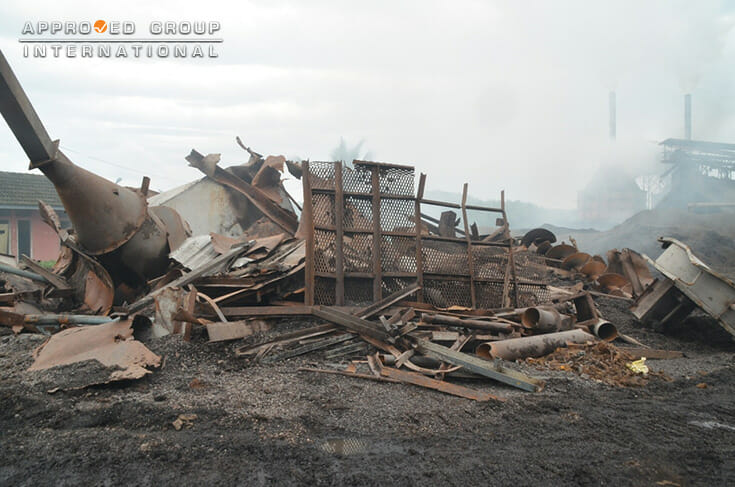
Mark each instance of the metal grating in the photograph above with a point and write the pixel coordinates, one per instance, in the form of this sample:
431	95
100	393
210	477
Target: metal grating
532	294
398	254
357	179
489	262
449	258
489	294
358	291
323	209
444	293
358	252
379	260
397	215
324	288
395	180
321	175
358	211
395	284
530	267
324	251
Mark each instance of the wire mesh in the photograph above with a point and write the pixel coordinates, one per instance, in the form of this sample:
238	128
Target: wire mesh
358	252
321	175
398	254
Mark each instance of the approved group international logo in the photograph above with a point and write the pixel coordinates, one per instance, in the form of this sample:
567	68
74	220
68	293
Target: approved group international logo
117	39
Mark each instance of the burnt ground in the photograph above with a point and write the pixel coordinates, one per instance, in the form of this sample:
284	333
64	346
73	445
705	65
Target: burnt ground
273	425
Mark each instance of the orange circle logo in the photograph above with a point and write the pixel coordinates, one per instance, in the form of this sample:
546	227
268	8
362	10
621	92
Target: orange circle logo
100	26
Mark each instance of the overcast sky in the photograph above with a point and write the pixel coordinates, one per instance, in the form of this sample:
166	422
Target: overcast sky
505	95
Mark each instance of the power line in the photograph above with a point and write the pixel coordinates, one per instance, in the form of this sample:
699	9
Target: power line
120	166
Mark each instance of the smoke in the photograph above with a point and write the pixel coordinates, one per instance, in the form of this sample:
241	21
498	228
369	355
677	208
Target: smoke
347	154
699	48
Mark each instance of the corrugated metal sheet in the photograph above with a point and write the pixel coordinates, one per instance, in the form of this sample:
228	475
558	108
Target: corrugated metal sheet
198	250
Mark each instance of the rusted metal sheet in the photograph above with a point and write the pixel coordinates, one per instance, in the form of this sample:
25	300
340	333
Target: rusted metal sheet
111	345
208	165
712	292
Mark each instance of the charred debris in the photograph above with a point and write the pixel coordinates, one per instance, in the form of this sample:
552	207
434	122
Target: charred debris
382	289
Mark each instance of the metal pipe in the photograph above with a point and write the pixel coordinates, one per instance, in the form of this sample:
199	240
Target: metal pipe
22	273
64	319
604	330
469	323
533	346
544	319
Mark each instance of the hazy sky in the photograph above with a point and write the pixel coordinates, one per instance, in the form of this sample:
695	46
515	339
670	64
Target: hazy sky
509	95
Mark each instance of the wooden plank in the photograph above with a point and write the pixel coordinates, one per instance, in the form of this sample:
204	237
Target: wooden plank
438	385
477	365
348	374
187	278
652	353
233	330
353	323
349	349
377	237
375	308
309	347
242	311
339	258
307	222
285	338
470	260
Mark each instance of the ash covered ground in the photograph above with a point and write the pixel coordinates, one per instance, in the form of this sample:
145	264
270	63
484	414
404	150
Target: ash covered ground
273	425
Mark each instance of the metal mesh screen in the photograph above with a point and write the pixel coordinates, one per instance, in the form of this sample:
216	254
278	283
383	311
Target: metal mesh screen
444	265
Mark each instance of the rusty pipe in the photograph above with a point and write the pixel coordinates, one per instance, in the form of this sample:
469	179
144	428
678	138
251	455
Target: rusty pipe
604	330
532	346
542	318
493	326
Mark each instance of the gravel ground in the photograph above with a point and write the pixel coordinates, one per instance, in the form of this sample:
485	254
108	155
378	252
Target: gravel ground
273	425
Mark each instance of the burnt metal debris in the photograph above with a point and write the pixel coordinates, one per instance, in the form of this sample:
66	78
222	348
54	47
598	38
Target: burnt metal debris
394	286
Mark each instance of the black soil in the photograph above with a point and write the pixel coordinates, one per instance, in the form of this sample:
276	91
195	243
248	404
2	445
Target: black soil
273	425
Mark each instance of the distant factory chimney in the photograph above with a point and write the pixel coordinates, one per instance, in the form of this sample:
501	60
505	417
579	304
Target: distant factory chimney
613	116
688	116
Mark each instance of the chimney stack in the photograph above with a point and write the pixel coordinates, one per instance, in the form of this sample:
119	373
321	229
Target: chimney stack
613	116
688	116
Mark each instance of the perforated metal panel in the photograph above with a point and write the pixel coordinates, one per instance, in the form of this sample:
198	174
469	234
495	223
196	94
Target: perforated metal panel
381	259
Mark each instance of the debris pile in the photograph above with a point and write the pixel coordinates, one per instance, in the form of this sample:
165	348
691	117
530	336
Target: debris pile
601	361
415	297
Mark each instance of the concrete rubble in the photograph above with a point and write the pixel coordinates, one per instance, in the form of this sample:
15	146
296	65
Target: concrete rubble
384	290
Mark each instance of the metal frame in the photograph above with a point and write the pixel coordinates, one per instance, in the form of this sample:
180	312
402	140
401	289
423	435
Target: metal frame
363	238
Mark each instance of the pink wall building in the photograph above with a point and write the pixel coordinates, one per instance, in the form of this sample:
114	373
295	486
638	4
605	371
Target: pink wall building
21	229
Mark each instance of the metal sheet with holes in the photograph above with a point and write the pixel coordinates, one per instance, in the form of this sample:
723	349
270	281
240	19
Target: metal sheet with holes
393	242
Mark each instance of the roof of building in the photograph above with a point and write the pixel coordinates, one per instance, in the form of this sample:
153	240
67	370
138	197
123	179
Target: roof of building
21	190
701	145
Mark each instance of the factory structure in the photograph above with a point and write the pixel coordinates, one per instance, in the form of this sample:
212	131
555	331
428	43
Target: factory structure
697	175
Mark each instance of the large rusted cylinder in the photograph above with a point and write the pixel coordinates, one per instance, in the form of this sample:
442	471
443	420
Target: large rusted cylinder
104	215
111	221
533	346
544	319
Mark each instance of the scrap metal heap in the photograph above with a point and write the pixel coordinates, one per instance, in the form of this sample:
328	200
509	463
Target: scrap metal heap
377	282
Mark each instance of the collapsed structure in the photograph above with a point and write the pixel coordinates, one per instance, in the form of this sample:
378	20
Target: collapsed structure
422	298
